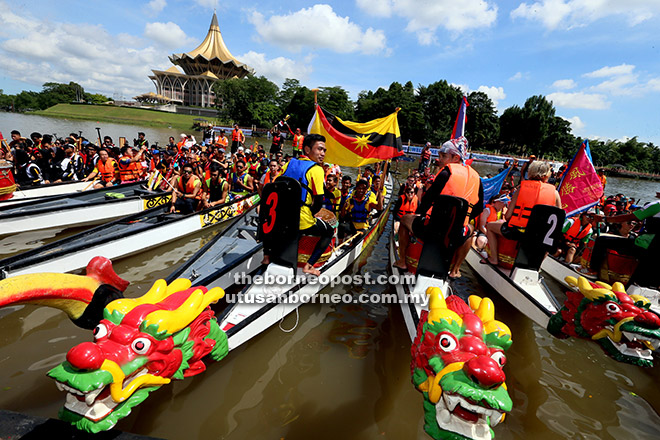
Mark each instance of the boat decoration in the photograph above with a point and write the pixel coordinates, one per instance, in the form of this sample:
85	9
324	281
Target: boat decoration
457	360
621	323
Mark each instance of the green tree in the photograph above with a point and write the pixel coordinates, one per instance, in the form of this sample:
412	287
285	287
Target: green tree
440	102
483	126
239	99
300	108
336	101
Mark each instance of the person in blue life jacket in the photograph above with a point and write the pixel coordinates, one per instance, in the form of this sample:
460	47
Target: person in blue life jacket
308	170
356	210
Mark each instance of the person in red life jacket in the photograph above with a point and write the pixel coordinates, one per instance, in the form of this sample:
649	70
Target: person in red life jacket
107	170
128	168
237	139
308	171
533	191
405	204
331	195
454	179
270	175
490	213
297	143
217	187
577	231
203	166
277	141
187	191
425	157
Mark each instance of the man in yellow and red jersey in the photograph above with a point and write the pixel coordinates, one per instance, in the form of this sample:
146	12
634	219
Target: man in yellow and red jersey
533	191
454	179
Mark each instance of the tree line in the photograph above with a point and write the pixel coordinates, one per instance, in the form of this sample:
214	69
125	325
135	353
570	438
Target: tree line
51	94
428	114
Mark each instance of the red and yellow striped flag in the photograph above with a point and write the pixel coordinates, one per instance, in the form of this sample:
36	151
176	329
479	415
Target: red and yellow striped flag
353	144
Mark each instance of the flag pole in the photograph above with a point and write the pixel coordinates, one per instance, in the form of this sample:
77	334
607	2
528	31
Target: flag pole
315	97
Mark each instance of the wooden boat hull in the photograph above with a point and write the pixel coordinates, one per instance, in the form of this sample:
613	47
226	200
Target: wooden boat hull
140	232
42	191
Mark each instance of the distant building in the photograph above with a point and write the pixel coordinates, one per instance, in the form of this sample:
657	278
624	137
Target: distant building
211	61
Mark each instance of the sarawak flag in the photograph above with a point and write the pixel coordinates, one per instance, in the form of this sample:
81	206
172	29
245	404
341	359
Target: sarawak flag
461	120
352	144
580	188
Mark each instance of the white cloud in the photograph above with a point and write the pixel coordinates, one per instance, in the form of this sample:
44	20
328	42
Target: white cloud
36	57
318	27
590	101
496	94
564	84
620	80
566	14
154	7
622	69
576	123
169	35
277	69
426	16
211	4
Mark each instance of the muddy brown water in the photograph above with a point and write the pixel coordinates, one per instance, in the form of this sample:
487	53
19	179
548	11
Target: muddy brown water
342	372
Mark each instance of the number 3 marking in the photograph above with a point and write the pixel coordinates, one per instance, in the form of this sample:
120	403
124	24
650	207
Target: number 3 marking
552	220
271	202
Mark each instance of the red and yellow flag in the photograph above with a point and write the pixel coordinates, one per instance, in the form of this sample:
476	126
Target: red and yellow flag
354	144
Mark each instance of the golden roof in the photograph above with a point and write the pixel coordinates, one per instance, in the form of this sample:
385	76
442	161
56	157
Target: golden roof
213	46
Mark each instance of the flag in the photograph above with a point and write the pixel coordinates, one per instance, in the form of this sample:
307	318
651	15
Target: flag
155	179
580	187
493	185
461	120
354	144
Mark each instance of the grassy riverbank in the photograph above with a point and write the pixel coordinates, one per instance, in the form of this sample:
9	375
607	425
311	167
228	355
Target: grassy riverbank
120	115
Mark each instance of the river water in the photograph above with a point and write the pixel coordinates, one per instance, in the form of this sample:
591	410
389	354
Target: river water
342	372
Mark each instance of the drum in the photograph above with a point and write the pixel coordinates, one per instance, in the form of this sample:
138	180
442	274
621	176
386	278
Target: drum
507	251
617	267
307	243
413	253
7	183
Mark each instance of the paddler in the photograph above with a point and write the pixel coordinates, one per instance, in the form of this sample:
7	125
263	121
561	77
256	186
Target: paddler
217	187
454	179
646	247
492	212
308	170
406	204
241	182
187	191
358	207
533	191
332	195
106	168
577	232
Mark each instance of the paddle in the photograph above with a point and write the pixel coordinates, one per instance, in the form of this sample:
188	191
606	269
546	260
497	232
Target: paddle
90	183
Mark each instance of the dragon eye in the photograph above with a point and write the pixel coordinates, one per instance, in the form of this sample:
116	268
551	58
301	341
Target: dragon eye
499	357
100	331
141	345
613	307
446	342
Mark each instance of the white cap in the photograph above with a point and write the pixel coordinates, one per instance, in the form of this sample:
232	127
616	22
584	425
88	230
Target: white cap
241	148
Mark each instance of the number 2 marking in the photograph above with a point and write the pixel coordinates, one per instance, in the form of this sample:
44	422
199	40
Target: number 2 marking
271	202
552	220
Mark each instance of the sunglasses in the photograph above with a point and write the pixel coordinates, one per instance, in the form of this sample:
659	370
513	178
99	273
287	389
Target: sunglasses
187	172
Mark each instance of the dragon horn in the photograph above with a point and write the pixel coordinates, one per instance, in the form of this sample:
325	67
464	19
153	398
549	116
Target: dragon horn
618	287
604	285
591	293
82	298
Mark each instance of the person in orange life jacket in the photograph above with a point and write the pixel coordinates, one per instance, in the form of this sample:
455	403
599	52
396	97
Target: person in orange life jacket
241	182
489	214
308	171
533	191
270	175
454	179
128	170
217	187
237	138
577	231
410	183
222	140
297	143
203	167
405	204
107	170
332	195
356	210
425	157
187	191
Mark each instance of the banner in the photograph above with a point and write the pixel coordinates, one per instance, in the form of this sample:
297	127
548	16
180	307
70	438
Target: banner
493	185
580	188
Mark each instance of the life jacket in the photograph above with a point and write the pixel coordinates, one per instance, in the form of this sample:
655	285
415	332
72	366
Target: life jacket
107	170
407	207
297	142
576	233
531	193
127	173
297	169
463	183
359	213
222	140
267	179
180	145
236	135
190	186
215	191
331	200
254	170
243	178
492	213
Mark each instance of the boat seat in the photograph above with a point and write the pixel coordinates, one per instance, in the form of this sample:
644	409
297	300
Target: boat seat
248	228
143	192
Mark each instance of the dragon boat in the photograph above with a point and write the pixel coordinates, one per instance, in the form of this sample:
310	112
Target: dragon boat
86	208
457	349
126	236
22	195
285	287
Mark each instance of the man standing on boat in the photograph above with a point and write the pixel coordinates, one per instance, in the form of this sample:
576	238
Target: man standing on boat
454	179
297	143
308	170
533	191
237	139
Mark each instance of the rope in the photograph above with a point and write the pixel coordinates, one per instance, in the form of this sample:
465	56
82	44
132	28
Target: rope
294	326
7	189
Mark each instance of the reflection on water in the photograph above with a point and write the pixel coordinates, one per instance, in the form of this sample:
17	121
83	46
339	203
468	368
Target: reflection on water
343	372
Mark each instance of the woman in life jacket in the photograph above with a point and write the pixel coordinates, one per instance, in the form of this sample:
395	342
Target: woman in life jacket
577	232
533	191
490	213
406	204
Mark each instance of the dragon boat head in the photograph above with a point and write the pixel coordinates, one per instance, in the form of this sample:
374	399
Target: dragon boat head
622	324
139	345
457	360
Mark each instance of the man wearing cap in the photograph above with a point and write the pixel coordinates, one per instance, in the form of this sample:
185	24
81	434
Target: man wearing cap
237	138
454	179
222	140
491	213
129	164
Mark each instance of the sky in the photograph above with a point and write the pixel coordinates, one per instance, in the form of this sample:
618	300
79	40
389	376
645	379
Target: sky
598	61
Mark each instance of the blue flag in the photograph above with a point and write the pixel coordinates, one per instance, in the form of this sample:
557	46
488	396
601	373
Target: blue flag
493	185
